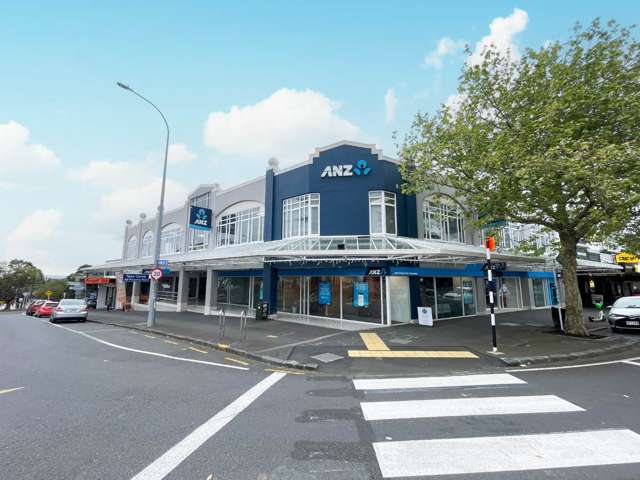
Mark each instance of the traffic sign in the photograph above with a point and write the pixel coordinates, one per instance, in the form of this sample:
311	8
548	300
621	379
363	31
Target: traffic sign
163	262
156	274
49	293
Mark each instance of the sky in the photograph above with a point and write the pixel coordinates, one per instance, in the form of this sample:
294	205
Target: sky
239	82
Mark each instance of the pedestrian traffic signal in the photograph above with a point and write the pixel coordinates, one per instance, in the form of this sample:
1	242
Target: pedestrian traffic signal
490	243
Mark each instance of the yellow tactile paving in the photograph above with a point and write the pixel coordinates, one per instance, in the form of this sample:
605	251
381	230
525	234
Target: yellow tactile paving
411	354
373	341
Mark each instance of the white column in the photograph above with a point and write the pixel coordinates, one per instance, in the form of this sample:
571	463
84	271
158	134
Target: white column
135	292
211	293
183	290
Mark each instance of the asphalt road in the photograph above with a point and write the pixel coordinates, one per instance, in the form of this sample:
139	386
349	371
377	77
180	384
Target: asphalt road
101	402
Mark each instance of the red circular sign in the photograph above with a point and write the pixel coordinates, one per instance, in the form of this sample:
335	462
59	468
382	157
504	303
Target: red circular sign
156	274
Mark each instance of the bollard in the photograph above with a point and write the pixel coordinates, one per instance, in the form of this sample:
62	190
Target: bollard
243	326
222	320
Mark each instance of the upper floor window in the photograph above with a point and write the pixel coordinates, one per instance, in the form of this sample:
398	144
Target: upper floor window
199	239
237	226
147	244
382	212
301	216
443	220
171	239
132	247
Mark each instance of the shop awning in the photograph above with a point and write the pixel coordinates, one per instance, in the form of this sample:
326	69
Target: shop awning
328	249
590	266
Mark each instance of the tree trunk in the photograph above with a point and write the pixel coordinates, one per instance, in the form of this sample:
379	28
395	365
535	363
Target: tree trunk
568	258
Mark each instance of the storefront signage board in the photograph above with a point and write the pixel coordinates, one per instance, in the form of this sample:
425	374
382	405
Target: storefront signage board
625	257
200	218
425	316
324	293
135	277
96	280
377	272
360	294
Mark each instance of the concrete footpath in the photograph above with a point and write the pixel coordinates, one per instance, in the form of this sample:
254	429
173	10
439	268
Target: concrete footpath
463	344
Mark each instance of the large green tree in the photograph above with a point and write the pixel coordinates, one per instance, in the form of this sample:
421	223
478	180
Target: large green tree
551	139
16	278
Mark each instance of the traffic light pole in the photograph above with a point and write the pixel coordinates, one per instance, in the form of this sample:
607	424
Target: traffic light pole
492	302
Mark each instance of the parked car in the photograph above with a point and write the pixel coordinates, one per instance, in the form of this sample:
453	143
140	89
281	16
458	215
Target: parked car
92	301
46	309
69	309
33	306
625	314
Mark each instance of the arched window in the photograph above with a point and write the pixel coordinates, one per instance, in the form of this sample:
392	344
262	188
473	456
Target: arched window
132	247
147	244
443	220
171	239
240	223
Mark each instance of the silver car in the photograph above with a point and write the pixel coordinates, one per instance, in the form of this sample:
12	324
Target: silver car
625	314
68	309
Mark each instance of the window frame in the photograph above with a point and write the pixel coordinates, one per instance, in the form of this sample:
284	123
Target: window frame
445	211
240	220
384	195
132	247
305	206
175	232
147	241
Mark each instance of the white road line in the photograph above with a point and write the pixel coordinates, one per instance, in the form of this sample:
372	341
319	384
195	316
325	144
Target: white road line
436	382
179	452
567	367
507	453
145	352
630	362
459	407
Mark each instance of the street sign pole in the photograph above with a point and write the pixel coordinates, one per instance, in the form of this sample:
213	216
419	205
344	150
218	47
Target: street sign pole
492	302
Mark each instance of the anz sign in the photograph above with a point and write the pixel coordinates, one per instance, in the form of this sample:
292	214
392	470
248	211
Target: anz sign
361	168
200	218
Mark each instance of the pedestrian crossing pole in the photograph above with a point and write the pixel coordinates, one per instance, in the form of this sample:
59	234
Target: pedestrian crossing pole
490	245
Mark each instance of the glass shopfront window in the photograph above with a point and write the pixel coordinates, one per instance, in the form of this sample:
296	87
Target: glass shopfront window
539	288
234	290
289	295
448	296
361	297
509	294
324	296
258	293
400	303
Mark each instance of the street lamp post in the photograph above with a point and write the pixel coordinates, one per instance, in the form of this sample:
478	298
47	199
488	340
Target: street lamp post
151	318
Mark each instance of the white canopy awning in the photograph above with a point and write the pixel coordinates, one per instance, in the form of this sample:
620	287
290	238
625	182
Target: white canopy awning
328	249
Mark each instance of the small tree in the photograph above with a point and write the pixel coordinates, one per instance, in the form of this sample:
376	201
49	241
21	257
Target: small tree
16	277
551	139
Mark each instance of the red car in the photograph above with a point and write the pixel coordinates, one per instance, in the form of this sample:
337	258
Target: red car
46	309
33	306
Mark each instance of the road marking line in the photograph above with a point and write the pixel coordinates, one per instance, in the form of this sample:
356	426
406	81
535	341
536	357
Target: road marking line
373	341
149	336
171	342
236	360
9	390
145	352
629	362
460	407
507	453
198	350
411	354
436	382
566	367
278	370
162	466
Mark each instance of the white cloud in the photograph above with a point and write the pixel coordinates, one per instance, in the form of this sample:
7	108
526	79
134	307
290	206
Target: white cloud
454	101
446	46
107	173
40	226
390	105
502	32
179	153
288	124
18	154
128	202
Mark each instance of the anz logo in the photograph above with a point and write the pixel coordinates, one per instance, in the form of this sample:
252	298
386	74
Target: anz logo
360	169
201	218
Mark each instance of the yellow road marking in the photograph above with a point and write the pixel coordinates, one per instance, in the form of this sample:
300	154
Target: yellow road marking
172	342
223	346
149	336
198	350
7	390
236	360
373	341
411	354
292	372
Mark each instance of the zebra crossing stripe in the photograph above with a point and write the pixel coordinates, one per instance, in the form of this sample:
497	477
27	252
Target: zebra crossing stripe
460	407
436	382
507	453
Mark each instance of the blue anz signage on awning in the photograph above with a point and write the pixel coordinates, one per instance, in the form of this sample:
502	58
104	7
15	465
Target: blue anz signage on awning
200	218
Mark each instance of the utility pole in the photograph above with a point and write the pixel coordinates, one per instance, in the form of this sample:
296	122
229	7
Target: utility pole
490	245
